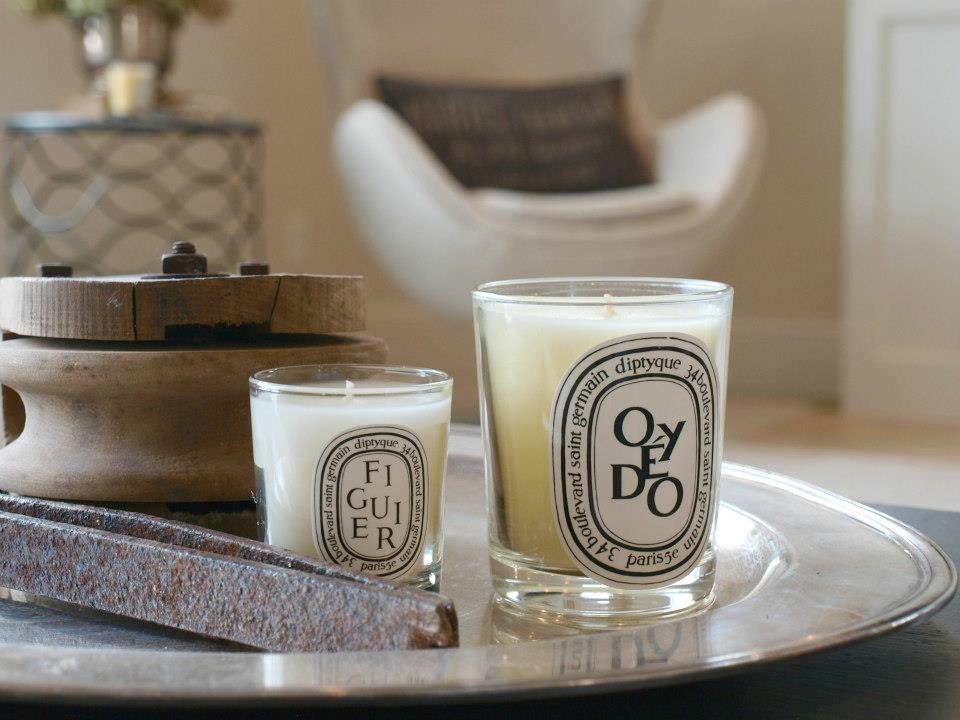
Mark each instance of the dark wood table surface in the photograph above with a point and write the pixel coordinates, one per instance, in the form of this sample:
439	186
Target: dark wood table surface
913	674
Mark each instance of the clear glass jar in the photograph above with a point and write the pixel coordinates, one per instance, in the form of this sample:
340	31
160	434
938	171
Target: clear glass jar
602	403
350	463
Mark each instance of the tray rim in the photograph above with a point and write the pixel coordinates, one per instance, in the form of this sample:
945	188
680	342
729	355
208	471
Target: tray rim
926	601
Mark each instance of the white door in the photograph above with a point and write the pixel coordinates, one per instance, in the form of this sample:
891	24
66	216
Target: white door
902	350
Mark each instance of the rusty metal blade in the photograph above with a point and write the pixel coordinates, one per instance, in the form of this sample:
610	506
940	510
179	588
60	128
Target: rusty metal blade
173	532
210	583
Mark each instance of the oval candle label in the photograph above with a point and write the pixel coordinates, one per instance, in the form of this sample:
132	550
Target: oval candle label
633	458
369	500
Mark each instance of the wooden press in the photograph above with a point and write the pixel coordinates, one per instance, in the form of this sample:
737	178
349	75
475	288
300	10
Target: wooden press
135	388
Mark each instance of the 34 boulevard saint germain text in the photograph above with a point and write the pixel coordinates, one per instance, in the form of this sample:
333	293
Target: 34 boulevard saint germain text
650	435
372	488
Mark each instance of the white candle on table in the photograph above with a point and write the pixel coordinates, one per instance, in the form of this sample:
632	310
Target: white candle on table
131	88
528	353
351	469
603	417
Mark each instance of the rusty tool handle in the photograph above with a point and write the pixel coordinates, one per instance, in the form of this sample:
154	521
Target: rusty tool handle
173	532
171	577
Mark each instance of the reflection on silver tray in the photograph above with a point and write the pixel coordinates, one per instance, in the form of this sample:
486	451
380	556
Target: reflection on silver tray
800	570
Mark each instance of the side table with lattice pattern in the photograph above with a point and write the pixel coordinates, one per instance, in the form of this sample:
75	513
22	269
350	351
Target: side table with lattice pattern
109	196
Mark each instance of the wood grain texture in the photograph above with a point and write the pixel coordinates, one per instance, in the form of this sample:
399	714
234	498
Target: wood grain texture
11	408
101	309
133	309
145	422
299	296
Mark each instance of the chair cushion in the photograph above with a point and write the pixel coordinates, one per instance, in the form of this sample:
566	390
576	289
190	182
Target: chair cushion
551	139
642	203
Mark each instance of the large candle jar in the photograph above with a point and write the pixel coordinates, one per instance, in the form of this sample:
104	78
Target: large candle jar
602	402
350	463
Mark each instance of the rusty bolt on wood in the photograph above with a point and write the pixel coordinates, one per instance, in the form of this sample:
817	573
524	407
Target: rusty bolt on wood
51	270
183	259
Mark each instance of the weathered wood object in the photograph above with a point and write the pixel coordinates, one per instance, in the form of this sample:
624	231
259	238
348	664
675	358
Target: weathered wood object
145	423
135	390
134	309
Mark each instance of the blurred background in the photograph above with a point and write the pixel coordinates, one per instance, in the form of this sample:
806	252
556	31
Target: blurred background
830	208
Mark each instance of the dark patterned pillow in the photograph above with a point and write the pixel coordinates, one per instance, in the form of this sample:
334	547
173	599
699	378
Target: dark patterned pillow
554	139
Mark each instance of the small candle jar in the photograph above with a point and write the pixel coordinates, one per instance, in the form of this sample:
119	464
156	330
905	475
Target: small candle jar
350	463
602	403
131	88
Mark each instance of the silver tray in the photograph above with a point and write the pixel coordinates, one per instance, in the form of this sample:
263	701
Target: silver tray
800	570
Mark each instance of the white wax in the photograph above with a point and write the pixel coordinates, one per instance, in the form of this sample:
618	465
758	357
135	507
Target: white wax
291	432
131	87
529	349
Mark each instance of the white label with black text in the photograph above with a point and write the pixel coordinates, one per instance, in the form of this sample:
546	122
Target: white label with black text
633	458
369	500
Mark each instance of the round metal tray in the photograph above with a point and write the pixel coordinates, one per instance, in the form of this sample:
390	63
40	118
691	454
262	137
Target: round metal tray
800	570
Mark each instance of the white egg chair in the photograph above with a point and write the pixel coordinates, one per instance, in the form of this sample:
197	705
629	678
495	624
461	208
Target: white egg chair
438	239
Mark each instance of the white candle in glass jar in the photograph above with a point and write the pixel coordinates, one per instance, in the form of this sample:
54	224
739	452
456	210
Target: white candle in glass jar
528	353
603	421
351	462
131	88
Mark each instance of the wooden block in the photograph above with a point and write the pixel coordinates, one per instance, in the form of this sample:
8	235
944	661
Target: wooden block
14	415
137	309
11	407
209	302
101	309
297	296
142	422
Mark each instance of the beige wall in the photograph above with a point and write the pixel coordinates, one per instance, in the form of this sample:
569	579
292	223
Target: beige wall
787	56
784	257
